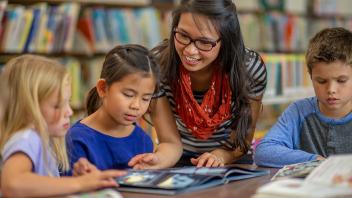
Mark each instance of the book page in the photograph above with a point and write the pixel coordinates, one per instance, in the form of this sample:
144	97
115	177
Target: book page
334	171
299	170
200	171
332	178
164	179
293	187
180	180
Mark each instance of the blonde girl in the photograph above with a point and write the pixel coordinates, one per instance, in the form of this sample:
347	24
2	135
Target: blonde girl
32	134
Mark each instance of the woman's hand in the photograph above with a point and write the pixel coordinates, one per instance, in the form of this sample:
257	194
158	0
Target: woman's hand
144	161
82	167
208	160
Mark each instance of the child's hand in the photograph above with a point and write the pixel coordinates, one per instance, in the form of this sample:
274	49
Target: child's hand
99	179
144	161
207	160
83	166
320	158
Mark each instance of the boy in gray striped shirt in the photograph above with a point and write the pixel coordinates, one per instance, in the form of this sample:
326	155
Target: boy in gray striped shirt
316	127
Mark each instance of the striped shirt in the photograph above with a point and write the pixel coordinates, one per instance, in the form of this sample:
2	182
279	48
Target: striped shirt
302	133
221	137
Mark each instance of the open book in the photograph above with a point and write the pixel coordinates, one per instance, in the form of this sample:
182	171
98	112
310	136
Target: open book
299	170
332	178
179	180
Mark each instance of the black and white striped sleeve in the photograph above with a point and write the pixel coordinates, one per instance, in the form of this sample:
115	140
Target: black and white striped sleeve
257	73
161	90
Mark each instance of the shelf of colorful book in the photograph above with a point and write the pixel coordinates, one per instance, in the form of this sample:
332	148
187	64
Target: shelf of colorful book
280	32
69	27
287	78
311	8
288	99
160	4
133	3
92	29
287	25
8	55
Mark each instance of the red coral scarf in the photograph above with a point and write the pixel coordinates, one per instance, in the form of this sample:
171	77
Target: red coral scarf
202	120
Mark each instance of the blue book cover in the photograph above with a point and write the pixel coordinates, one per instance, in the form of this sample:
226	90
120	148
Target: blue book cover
121	26
98	18
111	27
34	28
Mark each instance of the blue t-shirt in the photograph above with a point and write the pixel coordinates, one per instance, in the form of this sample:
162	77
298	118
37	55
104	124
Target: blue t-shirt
29	143
301	134
104	151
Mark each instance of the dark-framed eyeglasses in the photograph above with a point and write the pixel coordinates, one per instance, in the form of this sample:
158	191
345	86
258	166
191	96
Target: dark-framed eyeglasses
201	44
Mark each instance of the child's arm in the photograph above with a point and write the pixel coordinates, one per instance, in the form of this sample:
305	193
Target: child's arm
18	180
280	145
169	149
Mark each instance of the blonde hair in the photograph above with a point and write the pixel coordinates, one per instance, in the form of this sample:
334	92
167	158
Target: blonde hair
4	96
31	80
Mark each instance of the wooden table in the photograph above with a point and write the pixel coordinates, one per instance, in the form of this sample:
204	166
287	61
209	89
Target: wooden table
242	189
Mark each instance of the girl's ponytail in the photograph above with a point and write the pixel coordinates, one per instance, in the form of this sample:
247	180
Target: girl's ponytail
93	101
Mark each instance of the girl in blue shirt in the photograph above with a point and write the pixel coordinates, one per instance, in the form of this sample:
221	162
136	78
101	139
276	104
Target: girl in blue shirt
109	137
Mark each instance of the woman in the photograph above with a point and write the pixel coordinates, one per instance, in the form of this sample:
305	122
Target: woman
213	85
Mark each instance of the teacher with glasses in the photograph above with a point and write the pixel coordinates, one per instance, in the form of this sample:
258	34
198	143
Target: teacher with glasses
207	107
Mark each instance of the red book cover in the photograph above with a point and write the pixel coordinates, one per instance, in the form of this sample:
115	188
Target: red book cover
85	26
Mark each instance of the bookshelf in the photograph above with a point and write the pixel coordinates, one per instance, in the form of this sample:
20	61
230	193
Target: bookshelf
288	79
280	32
129	3
71	27
79	33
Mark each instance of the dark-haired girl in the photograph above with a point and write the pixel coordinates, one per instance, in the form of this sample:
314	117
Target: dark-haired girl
109	137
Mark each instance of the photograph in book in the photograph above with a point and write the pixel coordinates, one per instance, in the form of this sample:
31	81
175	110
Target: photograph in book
299	170
180	180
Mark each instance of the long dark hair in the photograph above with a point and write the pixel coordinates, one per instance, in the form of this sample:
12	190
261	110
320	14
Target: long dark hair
120	62
223	15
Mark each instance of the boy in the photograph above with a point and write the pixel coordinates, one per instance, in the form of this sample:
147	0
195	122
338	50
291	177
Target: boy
314	128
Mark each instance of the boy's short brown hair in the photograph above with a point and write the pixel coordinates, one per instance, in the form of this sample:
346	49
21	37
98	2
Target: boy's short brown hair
329	45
